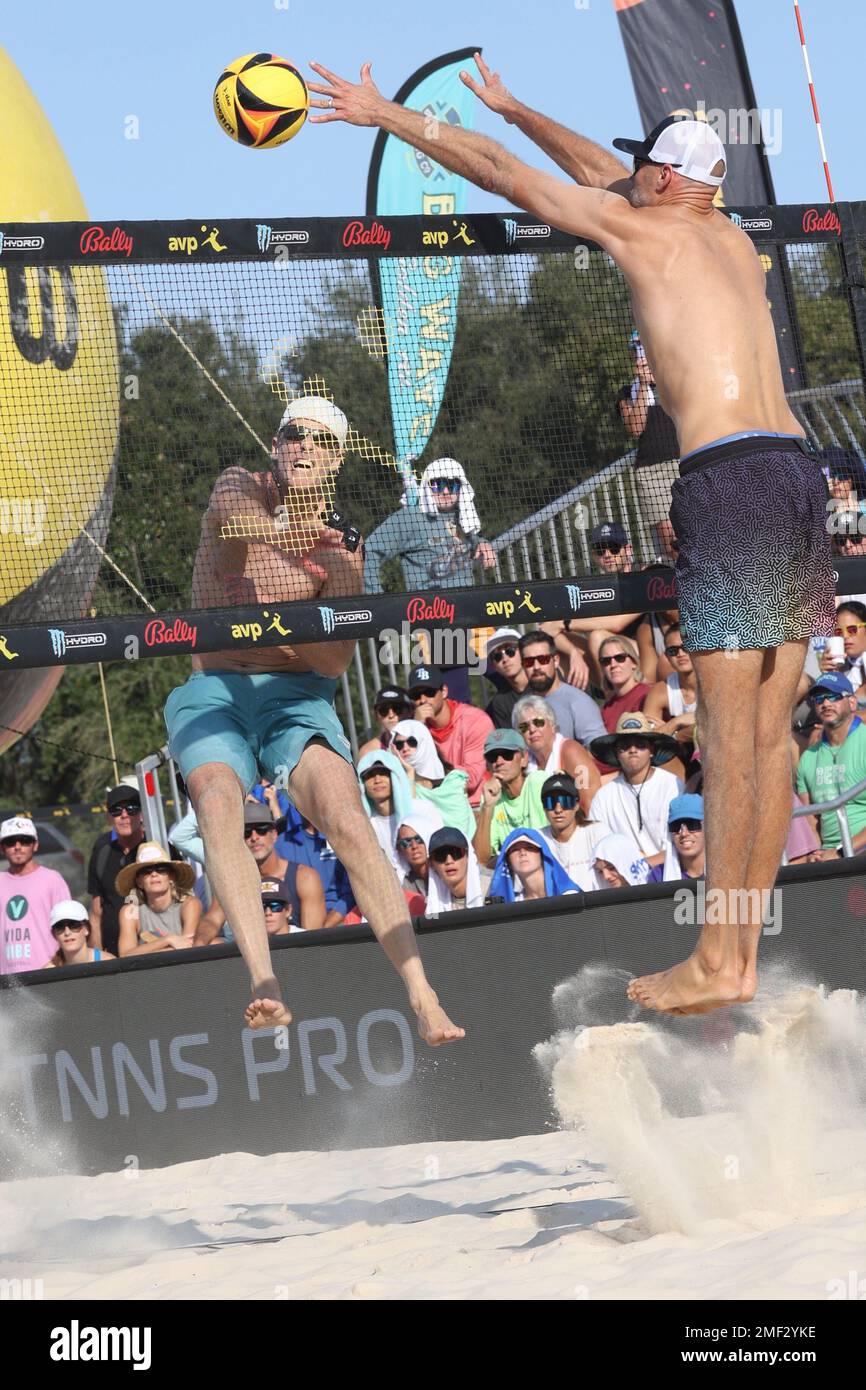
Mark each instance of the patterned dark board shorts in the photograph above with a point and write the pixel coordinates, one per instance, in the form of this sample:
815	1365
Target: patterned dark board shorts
755	566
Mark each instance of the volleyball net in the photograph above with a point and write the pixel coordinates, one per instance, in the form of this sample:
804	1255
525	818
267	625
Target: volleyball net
200	420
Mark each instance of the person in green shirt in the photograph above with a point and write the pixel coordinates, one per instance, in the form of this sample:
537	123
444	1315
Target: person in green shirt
511	798
836	763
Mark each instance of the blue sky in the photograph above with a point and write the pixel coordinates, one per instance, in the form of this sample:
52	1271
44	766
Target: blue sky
94	64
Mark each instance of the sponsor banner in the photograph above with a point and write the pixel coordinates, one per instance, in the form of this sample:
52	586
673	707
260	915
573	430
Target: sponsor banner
419	313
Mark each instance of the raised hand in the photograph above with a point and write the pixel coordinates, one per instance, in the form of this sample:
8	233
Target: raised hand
494	93
357	103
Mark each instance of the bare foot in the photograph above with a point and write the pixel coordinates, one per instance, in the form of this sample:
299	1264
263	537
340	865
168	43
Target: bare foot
434	1025
267	1013
748	990
689	987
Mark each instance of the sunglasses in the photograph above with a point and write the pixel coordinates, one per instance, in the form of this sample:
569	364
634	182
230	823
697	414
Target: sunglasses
257	830
818	700
672	651
455	852
531	724
506	753
153	869
563	799
445	485
132	807
18	840
614	547
320	439
501	653
529	661
616	658
390	709
678	825
60	927
849	630
274	905
845	541
421	692
623	744
407	841
410	741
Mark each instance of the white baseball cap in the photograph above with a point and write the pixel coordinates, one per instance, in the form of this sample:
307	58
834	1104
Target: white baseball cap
17	825
317	408
501	635
691	147
68	911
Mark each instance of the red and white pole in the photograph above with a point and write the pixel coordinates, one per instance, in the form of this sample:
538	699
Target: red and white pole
814	102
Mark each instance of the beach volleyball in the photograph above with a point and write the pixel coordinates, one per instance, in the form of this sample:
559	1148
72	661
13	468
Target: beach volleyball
260	100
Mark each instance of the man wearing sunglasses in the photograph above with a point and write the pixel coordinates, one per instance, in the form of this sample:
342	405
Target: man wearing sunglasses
458	729
685	856
113	851
512	796
252	710
835	763
505	670
579	640
573	842
28	892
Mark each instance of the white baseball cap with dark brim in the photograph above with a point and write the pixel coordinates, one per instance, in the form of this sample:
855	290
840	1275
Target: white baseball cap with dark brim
323	411
18	825
691	147
68	911
500	637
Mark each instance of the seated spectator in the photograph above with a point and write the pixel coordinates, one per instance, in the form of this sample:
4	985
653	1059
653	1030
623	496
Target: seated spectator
526	868
685	853
636	802
70	927
851	627
656	463
458	729
835	764
578	640
571	837
549	751
411	841
304	844
415	904
619	863
505	672
577	714
388	800
455	877
391	704
621	679
512	795
278	908
112	852
672	703
846	480
166	913
650	637
428	777
849	542
28	892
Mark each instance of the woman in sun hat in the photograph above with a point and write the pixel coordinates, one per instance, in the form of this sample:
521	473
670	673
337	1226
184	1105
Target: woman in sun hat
161	912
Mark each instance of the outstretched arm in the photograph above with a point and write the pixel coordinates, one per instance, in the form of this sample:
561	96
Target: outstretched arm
594	213
583	160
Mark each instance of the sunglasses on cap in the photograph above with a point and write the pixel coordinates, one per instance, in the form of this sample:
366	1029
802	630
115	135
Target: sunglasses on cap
132	807
563	799
68	926
14	840
274	905
614	547
292	433
506	753
410	741
545	660
455	852
672	651
685	824
527	724
831	695
257	830
407	841
616	658
391	708
501	652
445	485
849	629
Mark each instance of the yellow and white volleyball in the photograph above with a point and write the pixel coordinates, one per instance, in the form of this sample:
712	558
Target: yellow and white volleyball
59	382
261	100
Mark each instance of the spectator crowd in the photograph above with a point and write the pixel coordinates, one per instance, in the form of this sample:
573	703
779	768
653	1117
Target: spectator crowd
582	774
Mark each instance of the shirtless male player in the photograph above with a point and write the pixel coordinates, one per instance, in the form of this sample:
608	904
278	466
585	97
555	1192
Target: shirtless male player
271	709
754	572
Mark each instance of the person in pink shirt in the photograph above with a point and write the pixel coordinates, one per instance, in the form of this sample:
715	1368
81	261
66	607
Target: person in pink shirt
458	729
28	891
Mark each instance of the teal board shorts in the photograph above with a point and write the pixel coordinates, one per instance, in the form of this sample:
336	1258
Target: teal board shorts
252	723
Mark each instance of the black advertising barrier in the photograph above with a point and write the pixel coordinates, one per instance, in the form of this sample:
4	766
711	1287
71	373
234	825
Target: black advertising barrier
110	242
146	1062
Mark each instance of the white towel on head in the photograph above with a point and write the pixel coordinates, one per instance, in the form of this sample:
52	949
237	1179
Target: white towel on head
625	857
467	516
439	897
424	759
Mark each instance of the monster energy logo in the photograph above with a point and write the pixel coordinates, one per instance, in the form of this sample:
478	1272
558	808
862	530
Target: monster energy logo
514	231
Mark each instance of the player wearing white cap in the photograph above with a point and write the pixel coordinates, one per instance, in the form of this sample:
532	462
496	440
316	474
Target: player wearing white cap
754	571
266	540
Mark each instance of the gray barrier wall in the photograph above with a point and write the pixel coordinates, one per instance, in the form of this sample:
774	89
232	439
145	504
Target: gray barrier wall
147	1062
